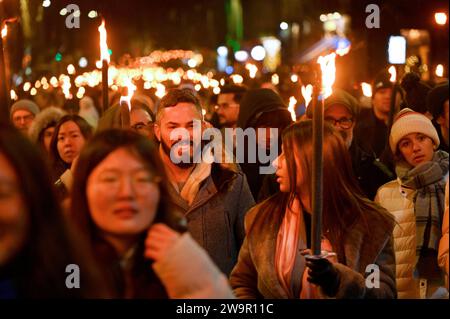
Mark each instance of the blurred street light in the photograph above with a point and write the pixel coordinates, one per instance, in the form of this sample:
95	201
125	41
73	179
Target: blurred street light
92	14
440	70
440	18
284	25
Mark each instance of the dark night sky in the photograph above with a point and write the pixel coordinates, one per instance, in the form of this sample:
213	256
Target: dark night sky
140	26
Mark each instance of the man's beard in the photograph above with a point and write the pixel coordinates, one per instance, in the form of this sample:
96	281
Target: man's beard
347	139
166	148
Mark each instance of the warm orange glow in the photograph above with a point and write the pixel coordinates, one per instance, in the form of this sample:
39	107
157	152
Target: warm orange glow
5	31
367	89
440	17
291	108
307	93
393	73
104	54
328	67
440	70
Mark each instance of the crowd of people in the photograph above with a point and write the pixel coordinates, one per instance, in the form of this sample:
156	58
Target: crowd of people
106	195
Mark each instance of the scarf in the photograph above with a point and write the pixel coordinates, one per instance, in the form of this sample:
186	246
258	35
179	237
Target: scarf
428	179
287	242
190	189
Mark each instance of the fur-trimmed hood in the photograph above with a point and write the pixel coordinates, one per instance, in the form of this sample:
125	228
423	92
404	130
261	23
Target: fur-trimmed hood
46	118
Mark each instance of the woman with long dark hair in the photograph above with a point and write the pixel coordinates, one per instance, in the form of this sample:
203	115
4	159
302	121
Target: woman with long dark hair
36	244
120	202
69	137
358	232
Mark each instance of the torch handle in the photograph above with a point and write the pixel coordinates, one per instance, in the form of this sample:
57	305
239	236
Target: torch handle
124	115
105	92
317	178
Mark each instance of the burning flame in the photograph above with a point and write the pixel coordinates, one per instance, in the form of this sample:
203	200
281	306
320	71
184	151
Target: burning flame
328	67
160	90
440	70
307	93
5	31
275	79
367	89
104	54
252	69
130	91
393	73
291	108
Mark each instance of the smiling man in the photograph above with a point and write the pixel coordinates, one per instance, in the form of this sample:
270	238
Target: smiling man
213	197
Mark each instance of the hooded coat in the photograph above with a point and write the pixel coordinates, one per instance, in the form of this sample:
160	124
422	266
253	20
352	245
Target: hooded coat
45	119
253	105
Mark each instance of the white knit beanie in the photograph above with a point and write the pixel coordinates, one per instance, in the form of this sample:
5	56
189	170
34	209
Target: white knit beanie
406	122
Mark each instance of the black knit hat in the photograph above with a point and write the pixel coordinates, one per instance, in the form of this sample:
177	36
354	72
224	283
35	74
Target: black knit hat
416	92
436	98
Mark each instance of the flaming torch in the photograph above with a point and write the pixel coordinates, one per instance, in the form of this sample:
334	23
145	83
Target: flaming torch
393	72
307	93
104	57
322	89
291	108
125	104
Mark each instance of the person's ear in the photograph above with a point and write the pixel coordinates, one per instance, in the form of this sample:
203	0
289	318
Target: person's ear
440	120
157	131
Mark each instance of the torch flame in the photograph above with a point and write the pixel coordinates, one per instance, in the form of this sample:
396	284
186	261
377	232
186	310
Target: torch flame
307	93
440	70
291	108
328	67
393	73
5	31
367	89
252	69
127	98
104	54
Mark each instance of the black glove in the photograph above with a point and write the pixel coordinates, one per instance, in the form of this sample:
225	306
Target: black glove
322	273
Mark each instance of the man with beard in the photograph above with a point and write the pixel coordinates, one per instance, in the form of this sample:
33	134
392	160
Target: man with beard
214	197
341	110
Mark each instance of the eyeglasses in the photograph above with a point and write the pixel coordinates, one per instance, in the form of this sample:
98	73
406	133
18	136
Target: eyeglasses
344	123
225	106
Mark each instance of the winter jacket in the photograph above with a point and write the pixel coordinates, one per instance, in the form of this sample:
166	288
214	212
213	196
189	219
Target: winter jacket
254	276
370	172
372	135
216	216
443	243
399	201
